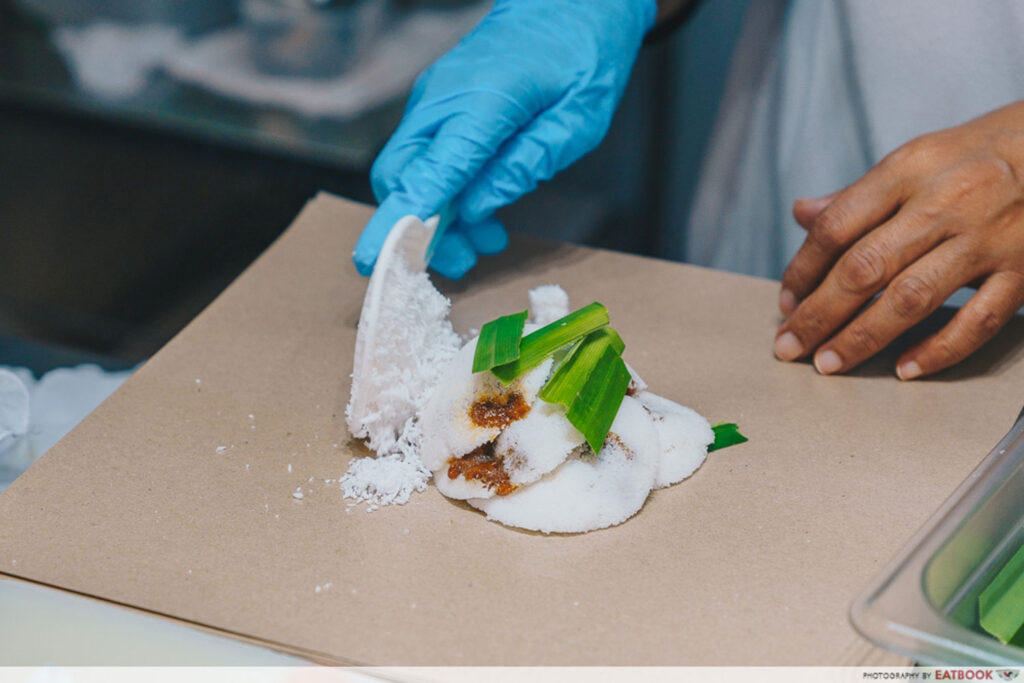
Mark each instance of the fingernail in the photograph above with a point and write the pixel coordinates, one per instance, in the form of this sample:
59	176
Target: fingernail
816	202
787	302
788	347
827	362
908	370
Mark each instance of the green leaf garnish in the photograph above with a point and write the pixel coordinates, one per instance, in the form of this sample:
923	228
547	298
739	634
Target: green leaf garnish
568	378
499	342
726	434
537	346
591	383
590	378
1001	604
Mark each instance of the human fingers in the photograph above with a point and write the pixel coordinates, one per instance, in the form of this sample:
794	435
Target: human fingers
420	122
859	274
386	169
807	209
984	314
422	184
548	144
911	297
413	136
463	129
853	212
459	149
486	237
454	256
456	251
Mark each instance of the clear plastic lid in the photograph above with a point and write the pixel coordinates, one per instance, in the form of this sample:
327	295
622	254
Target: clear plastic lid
924	604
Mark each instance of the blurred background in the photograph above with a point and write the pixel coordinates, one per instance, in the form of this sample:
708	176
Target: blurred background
151	149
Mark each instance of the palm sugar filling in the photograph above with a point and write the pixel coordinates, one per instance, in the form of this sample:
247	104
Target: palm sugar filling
482	465
499	410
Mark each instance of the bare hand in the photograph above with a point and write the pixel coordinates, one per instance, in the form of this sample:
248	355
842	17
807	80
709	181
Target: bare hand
943	211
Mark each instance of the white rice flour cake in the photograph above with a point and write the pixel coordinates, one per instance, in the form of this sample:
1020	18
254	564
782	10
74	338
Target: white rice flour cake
536	471
519	460
500	448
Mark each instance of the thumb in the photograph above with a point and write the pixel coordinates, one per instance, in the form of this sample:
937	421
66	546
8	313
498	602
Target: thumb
806	210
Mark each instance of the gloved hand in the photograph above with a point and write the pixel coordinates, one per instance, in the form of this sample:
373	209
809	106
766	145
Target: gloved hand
524	95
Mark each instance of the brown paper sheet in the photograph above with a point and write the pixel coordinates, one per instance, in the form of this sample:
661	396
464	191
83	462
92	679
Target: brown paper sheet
753	560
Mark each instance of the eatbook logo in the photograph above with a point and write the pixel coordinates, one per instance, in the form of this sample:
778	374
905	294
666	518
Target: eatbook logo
976	674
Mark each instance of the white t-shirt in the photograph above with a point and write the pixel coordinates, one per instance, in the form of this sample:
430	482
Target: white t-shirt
821	90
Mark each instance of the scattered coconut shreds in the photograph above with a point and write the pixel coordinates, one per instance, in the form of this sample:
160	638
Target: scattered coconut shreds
415	343
384	480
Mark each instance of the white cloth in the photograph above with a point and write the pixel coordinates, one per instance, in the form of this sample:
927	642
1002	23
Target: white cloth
115	61
222	63
821	90
36	414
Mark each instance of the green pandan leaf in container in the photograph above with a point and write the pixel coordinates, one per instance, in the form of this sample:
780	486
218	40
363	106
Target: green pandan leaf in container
1001	604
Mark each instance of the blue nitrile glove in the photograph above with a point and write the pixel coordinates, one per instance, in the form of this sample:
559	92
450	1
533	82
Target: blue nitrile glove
528	92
